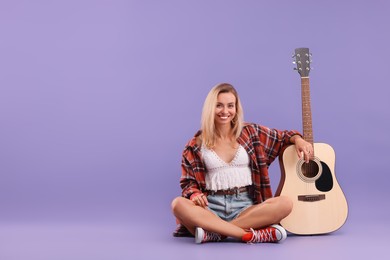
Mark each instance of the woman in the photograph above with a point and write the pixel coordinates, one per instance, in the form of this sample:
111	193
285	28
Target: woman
226	190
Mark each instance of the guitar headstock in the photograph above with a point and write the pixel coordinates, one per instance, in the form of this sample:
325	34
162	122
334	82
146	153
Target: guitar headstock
302	60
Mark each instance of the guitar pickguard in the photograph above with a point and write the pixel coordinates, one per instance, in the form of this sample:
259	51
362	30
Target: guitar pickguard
325	182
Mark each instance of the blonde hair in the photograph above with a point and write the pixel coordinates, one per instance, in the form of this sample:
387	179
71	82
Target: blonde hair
209	132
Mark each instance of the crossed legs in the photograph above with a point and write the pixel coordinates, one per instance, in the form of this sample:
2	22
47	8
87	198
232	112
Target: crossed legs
261	215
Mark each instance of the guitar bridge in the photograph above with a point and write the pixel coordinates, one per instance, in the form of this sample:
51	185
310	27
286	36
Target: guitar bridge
311	198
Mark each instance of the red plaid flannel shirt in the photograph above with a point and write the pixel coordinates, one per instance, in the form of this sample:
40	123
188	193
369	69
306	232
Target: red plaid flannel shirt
263	145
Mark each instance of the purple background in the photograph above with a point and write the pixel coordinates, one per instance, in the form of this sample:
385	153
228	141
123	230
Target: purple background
98	99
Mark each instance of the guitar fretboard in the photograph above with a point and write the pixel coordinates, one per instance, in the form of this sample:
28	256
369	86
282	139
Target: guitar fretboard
306	110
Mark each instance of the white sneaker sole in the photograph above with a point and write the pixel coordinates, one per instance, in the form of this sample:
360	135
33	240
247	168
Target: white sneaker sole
282	234
199	234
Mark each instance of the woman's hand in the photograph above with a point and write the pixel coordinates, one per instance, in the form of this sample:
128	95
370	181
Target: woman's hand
199	199
303	147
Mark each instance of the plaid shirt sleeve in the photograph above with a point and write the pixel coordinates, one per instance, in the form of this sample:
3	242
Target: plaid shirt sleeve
192	178
274	141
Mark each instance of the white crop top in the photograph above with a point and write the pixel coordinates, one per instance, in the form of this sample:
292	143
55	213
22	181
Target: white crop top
222	175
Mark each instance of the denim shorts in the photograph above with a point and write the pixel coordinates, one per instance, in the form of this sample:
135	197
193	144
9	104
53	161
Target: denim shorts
229	207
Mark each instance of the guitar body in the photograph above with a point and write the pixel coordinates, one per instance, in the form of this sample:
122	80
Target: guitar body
319	205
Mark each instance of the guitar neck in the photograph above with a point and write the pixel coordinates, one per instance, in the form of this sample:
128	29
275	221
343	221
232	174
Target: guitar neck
306	110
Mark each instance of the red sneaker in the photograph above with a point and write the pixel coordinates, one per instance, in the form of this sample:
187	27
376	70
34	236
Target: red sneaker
181	231
202	236
271	234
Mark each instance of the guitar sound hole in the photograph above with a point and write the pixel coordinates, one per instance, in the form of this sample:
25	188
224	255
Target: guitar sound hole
310	170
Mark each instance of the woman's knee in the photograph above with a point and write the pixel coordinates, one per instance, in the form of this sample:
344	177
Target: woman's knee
285	205
177	203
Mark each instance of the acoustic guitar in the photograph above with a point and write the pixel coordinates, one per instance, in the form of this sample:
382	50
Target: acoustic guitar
319	204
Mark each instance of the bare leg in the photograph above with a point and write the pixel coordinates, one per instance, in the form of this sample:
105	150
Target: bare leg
192	216
272	211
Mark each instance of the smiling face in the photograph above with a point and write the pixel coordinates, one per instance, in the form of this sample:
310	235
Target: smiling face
225	109
222	114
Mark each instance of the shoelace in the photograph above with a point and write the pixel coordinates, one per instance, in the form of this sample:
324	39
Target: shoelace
262	235
211	236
